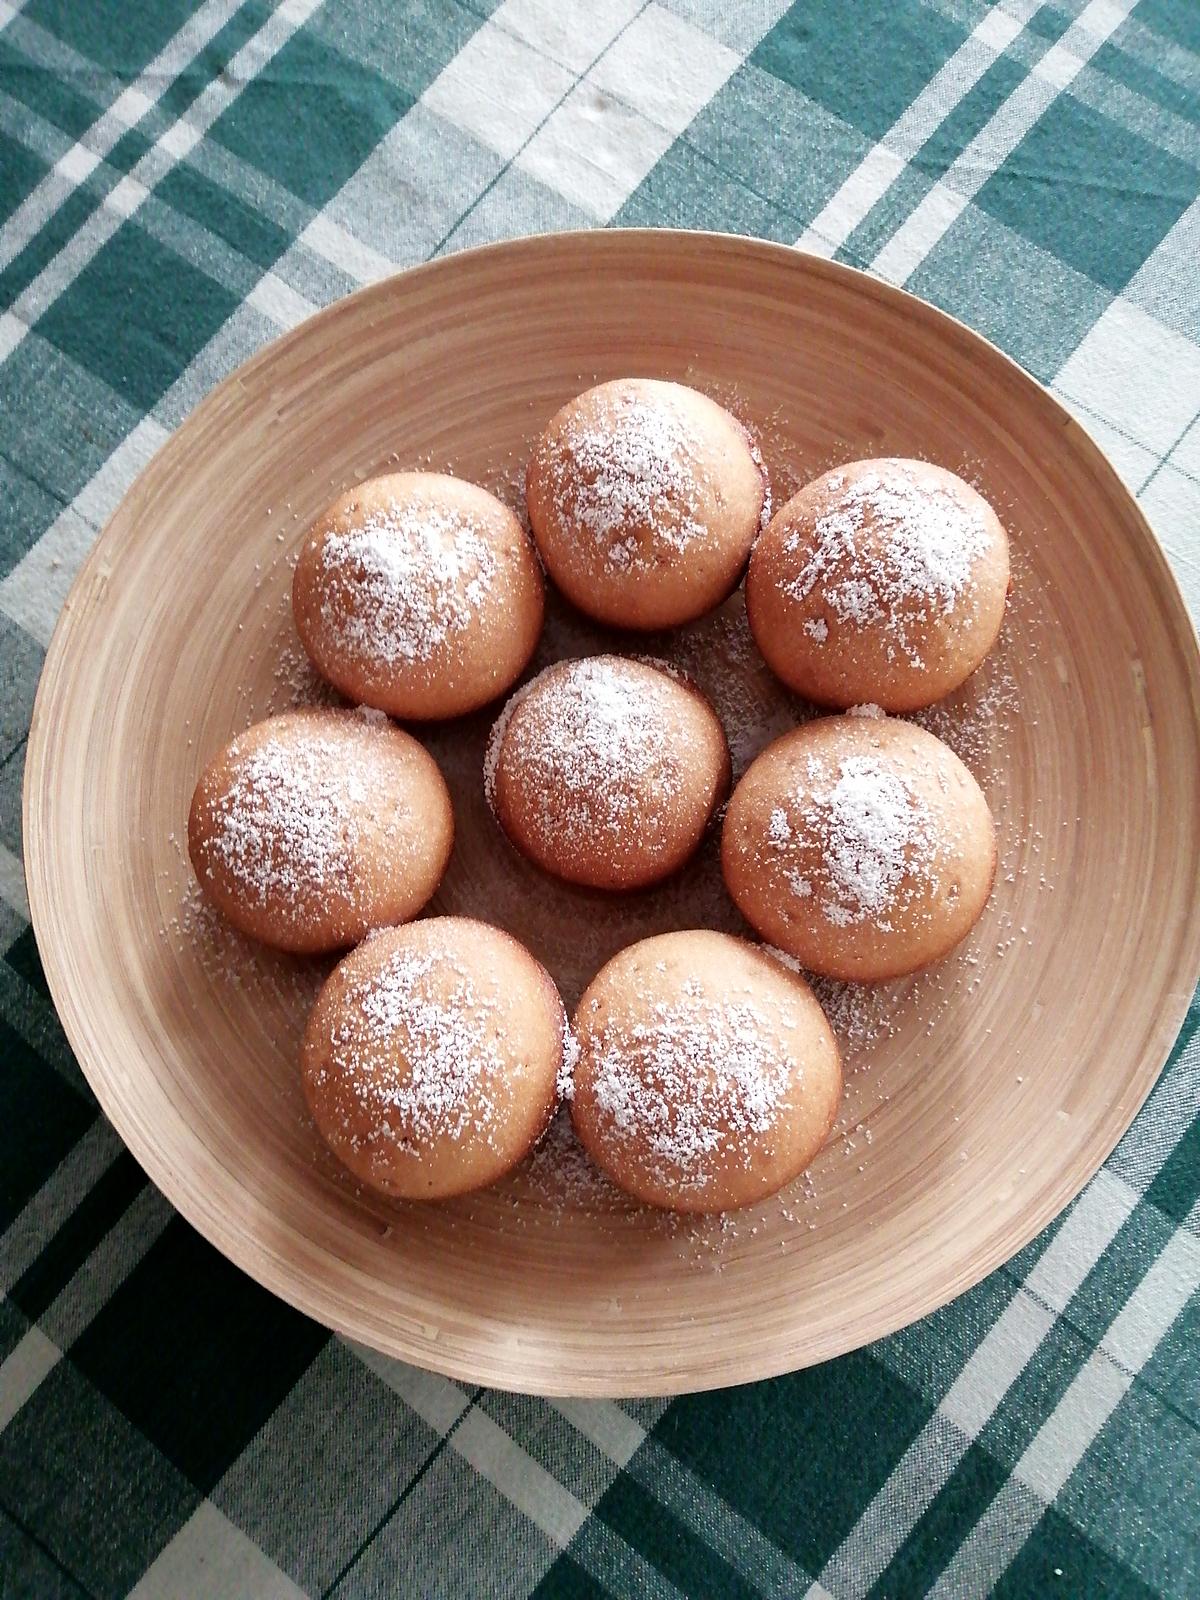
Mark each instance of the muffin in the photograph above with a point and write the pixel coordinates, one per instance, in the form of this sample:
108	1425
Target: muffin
606	772
861	845
419	594
313	827
882	582
707	1076
644	499
431	1058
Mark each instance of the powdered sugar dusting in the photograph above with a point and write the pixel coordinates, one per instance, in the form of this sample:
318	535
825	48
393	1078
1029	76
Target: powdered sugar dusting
421	1051
633	467
862	1014
283	985
890	549
401	583
491	754
286	825
560	1176
719	655
698	1078
296	681
977	717
873	831
570	1060
590	745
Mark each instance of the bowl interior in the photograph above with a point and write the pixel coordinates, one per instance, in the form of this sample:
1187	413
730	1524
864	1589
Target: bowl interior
980	1096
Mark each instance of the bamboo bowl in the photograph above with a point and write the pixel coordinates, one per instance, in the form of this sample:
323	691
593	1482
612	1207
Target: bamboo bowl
980	1097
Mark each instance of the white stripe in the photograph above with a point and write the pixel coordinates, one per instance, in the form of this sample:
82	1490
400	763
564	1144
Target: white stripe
34	592
885	161
279	301
12	331
1084	1236
12	882
77	163
767	1568
996	1364
56	276
571	32
101	495
974	1396
626	1444
1139	1326
1058	1446
843	211
856	1565
23	1369
341	248
998	138
46	1211
618	1568
435	1399
9	9
1091	1398
497	89
109	1264
211	1559
996	1540
611	1430
924	1468
937	212
520	1479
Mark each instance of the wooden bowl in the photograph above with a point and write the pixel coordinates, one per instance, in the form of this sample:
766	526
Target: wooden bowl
980	1097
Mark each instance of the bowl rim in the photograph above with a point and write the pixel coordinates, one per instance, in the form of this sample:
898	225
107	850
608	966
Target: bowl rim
256	1258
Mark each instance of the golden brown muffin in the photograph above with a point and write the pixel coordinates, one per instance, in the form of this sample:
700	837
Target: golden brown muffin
313	827
431	1058
607	771
881	582
707	1076
419	594
644	498
860	845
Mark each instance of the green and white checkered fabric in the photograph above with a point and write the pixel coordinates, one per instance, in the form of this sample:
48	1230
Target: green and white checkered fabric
179	181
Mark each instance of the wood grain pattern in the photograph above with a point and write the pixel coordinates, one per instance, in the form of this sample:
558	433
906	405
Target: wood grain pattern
1007	1077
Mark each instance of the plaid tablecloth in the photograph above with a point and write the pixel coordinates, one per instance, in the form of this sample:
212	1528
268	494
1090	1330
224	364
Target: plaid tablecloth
180	181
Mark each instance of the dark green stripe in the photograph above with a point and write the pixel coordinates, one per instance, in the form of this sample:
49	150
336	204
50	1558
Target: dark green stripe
165	308
120	38
41	1119
66	102
840	1428
567	1580
947	1521
310	118
866	72
668	1544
